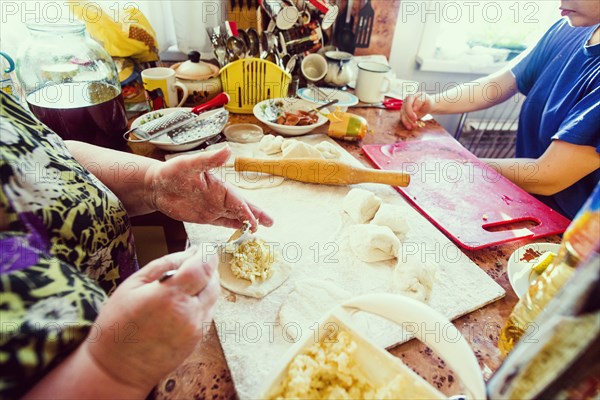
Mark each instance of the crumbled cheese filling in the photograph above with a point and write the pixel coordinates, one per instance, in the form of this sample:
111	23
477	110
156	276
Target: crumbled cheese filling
329	370
252	260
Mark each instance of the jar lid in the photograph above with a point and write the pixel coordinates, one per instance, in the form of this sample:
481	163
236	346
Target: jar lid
194	69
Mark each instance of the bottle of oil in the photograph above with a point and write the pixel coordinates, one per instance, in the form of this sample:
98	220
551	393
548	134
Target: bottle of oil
563	359
578	242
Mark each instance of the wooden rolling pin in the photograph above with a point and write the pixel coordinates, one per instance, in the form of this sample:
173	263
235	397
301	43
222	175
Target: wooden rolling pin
318	170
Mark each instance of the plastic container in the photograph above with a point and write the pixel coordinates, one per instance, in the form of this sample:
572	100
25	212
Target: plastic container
71	83
579	240
377	364
251	80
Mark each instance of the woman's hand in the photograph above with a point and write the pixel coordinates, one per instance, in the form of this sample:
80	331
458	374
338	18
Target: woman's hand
414	107
147	328
184	189
144	331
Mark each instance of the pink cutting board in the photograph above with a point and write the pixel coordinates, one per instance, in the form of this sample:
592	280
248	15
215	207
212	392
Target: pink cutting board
463	196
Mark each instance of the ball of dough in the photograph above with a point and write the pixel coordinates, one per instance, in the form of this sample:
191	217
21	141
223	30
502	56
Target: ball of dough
361	205
270	144
392	217
372	243
329	150
293	148
414	278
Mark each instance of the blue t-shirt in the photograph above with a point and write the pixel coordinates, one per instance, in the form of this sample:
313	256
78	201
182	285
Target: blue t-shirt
561	79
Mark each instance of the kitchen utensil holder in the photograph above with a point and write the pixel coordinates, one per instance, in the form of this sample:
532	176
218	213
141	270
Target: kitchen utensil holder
251	80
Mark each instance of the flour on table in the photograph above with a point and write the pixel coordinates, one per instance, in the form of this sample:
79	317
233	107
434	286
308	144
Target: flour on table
310	300
361	205
372	243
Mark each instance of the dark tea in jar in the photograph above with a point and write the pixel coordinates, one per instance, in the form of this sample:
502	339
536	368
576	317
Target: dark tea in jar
71	83
91	112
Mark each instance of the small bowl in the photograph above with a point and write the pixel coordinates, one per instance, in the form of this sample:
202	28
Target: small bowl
264	112
163	142
345	99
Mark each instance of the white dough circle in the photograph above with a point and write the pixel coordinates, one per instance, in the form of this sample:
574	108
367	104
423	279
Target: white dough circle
392	217
372	243
361	205
258	289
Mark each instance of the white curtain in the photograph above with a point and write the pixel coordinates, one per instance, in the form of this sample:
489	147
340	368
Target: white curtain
177	23
183	23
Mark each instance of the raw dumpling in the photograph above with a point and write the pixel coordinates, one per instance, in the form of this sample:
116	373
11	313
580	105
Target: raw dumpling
413	277
309	301
361	205
270	276
392	217
328	150
372	243
271	144
293	148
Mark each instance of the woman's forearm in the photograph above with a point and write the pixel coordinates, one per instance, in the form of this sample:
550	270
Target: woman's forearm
80	377
477	95
561	165
124	173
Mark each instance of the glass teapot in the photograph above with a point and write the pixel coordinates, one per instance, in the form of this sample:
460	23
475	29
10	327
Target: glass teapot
71	83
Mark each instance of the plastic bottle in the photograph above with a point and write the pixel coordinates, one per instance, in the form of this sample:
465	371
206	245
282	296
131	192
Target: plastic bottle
579	240
562	359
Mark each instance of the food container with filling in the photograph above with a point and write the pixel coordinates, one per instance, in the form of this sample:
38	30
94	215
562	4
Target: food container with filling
388	376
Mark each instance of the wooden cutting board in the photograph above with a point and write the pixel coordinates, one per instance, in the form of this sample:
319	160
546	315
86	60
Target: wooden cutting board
311	234
464	197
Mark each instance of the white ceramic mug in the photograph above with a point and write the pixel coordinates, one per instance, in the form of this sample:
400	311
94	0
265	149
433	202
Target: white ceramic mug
161	88
370	87
314	67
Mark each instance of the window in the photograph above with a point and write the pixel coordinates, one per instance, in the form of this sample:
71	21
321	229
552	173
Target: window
478	36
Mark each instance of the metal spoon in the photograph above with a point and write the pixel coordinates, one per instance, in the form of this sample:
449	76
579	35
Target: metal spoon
236	48
291	64
254	42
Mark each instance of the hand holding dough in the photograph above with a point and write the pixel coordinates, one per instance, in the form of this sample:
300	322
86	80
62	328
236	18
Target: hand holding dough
361	205
372	243
392	217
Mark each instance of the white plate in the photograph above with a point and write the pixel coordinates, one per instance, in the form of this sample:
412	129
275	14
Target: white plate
289	104
519	271
345	99
163	142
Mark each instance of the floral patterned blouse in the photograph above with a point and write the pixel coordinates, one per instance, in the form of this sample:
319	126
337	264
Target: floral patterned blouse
65	244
